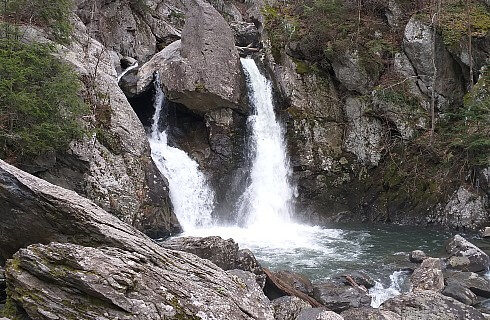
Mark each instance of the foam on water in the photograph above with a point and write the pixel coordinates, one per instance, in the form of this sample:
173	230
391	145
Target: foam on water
380	293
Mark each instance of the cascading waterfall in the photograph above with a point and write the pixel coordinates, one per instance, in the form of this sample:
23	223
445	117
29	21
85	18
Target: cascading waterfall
268	199
192	198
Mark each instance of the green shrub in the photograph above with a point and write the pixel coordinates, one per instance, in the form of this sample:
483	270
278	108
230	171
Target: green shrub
40	104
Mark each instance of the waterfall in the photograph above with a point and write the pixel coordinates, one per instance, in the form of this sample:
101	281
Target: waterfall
192	198
268	198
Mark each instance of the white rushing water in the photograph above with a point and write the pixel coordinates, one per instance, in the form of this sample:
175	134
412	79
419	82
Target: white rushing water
135	65
380	294
192	198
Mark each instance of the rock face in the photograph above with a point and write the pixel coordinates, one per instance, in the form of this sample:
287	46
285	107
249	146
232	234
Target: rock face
430	305
224	253
109	267
113	167
465	256
288	308
339	297
428	276
116	283
202	71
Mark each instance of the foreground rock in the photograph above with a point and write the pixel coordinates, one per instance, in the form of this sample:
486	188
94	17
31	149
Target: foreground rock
465	256
428	276
460	293
469	280
339	297
430	305
288	308
368	313
76	282
201	71
318	314
123	271
224	253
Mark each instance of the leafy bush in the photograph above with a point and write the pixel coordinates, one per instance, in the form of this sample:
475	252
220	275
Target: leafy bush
39	100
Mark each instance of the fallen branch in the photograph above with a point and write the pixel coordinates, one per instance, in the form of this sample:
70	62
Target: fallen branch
354	284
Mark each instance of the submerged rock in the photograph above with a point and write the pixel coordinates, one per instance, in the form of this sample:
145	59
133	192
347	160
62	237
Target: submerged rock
428	276
339	297
417	256
465	256
76	282
318	314
288	308
202	70
430	305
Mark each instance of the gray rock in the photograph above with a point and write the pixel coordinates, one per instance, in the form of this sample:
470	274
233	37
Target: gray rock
460	293
430	305
3	287
472	281
351	73
318	314
417	256
223	253
465	256
361	278
295	280
246	34
466	209
68	281
418	44
202	71
486	232
339	297
288	308
428	276
369	313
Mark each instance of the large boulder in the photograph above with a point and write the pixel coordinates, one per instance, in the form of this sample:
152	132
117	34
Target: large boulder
202	71
288	307
460	293
469	280
430	305
113	166
428	276
465	256
224	253
76	282
340	297
417	256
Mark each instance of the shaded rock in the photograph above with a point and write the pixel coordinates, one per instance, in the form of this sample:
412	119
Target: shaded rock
202	71
318	314
466	209
296	280
460	293
417	256
418	44
223	253
3	287
369	313
288	308
117	283
359	277
430	305
246	34
465	256
339	297
428	276
472	281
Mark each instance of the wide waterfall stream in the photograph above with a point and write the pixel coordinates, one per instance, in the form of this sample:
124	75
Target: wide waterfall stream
266	207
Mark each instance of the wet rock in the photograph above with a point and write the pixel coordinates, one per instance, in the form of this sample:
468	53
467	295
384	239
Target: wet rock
460	293
318	314
417	256
288	308
224	253
467	209
430	305
153	283
428	276
202	71
465	256
359	277
339	297
368	313
472	281
295	280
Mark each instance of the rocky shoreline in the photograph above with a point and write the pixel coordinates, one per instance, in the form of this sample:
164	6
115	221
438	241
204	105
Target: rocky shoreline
73	260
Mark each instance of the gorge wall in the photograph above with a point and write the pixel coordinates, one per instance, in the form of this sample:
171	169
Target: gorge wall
355	95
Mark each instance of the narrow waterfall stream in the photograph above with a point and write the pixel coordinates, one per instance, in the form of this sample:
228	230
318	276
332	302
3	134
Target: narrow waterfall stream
267	210
192	198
